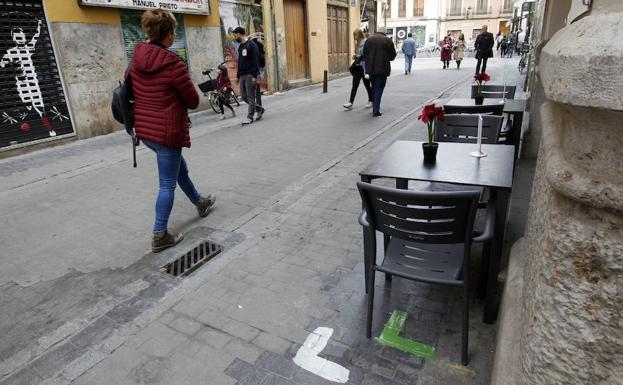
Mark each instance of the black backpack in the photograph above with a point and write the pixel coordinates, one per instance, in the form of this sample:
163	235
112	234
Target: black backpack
123	110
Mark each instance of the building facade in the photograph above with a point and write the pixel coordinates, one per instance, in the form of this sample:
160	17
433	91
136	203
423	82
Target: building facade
306	37
468	17
418	17
61	59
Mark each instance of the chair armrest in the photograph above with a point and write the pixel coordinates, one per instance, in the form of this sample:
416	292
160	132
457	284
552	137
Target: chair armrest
363	219
487	234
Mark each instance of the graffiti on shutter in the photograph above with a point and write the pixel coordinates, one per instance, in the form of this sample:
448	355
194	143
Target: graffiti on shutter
32	101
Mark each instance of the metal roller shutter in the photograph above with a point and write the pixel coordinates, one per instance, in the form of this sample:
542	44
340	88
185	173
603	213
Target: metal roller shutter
32	101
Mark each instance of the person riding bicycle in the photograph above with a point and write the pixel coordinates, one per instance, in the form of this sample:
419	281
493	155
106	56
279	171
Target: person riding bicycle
223	87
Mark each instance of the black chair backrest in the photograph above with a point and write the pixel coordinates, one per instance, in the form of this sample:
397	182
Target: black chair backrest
445	217
464	129
497	92
497	110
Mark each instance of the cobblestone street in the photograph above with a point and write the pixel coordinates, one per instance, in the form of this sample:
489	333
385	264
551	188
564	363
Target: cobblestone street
85	303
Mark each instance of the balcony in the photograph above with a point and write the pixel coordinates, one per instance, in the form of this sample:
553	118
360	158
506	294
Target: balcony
482	11
454	12
506	9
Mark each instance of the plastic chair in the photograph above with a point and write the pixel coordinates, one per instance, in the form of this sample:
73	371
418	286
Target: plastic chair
496	92
431	234
463	128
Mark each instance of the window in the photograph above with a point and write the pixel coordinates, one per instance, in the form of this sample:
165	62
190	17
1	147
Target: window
508	6
418	7
388	9
455	8
402	8
482	7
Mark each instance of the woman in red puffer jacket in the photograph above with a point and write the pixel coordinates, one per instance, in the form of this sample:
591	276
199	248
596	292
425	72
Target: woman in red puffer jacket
163	93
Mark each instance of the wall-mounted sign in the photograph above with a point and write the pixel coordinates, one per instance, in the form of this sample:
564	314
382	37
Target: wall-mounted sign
200	7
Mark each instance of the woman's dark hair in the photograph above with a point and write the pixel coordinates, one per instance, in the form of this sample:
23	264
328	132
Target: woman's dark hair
222	69
158	23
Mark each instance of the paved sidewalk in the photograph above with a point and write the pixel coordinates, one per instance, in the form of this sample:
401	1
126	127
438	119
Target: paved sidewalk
292	260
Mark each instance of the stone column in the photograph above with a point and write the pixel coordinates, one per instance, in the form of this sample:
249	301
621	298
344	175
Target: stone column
573	325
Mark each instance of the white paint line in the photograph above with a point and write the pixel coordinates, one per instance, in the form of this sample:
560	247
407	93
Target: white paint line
307	357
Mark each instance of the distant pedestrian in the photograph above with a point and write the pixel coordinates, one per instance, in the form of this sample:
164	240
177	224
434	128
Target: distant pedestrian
223	87
446	51
484	49
409	49
378	51
248	72
459	49
358	69
503	46
509	49
521	40
498	38
163	93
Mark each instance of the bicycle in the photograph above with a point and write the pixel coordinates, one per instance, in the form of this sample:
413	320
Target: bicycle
525	50
208	88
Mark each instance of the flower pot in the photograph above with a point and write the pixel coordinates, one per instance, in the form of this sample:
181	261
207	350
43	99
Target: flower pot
430	152
479	100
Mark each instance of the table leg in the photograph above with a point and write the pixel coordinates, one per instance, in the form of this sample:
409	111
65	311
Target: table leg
366	243
501	200
517	122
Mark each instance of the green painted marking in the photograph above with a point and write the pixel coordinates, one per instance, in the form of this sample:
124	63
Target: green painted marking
391	337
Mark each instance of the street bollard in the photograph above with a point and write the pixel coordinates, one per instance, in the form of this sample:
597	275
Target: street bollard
325	82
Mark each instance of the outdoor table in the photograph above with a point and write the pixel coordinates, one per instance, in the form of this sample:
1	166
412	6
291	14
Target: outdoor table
514	107
403	161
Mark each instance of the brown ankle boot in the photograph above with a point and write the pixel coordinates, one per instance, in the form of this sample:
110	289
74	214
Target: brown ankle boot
163	240
205	204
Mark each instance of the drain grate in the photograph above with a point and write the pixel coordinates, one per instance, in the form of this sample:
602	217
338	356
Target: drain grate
191	261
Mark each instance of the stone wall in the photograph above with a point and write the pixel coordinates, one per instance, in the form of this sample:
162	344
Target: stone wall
92	60
573	326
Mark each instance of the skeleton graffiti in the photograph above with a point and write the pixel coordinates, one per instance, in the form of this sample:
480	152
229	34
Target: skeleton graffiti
26	79
32	100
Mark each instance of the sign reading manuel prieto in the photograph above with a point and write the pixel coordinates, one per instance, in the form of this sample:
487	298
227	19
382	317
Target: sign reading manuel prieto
201	7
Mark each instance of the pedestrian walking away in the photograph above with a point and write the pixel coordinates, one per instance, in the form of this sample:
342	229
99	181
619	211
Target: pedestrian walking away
498	38
357	69
409	49
378	52
484	49
223	87
248	72
459	49
503	47
163	93
446	51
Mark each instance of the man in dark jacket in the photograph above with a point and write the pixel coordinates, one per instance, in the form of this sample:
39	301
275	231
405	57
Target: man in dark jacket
484	48
378	52
248	72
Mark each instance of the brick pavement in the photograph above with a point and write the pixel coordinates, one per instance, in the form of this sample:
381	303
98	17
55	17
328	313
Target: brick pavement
290	266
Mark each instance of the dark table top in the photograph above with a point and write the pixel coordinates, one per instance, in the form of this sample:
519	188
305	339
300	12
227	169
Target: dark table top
510	105
404	160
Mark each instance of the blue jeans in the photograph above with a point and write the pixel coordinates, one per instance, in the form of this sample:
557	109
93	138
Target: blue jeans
172	170
378	85
408	62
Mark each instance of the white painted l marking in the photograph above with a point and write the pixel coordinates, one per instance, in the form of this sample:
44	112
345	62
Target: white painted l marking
307	357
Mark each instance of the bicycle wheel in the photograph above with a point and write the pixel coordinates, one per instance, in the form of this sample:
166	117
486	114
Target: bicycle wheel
214	102
234	98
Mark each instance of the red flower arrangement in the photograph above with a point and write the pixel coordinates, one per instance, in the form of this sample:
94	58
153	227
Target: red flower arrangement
481	79
430	114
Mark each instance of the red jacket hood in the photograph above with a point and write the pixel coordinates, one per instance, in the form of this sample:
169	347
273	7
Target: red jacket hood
150	58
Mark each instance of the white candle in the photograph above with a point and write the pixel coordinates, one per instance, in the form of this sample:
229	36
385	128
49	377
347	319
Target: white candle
479	134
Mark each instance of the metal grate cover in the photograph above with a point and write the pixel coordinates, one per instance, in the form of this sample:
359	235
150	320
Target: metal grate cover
191	261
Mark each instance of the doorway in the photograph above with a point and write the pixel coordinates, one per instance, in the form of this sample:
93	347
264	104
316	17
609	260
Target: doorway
296	39
339	35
